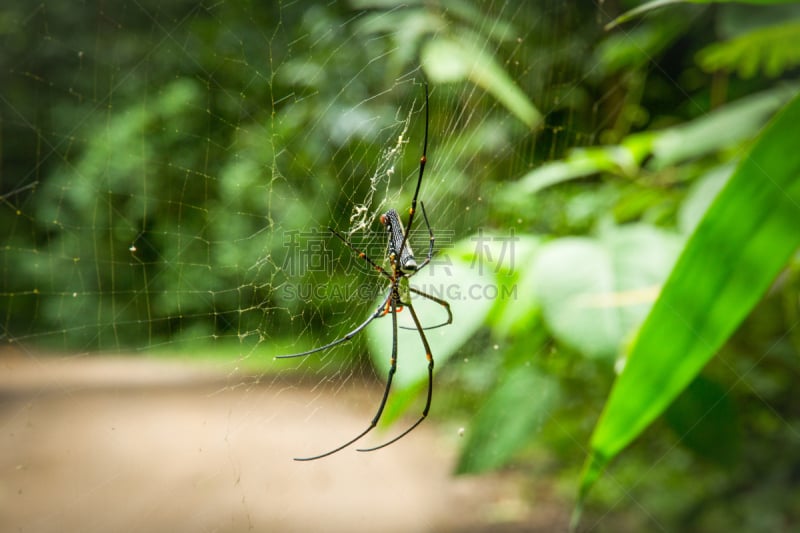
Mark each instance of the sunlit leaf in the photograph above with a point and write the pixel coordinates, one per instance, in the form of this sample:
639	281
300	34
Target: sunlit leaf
578	164
448	60
742	243
595	292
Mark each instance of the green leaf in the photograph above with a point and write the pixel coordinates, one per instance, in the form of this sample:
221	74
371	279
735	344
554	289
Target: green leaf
772	50
449	60
508	419
742	243
595	292
579	163
734	122
637	46
722	127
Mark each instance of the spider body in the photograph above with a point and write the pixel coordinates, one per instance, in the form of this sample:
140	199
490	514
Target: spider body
403	291
402	266
398	246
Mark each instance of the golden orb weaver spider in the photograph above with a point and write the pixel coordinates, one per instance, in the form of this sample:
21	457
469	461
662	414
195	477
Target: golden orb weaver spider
402	266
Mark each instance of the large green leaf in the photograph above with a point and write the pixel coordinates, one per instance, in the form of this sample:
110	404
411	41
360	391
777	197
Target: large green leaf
595	292
739	247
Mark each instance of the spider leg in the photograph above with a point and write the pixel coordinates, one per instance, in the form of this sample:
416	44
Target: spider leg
377	314
392	370
430	240
422	160
427	407
439	301
360	254
420	267
381	311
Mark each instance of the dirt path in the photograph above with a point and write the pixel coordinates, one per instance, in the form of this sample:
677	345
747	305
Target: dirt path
132	444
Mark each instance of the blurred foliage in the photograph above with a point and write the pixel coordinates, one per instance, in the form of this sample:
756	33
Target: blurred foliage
156	168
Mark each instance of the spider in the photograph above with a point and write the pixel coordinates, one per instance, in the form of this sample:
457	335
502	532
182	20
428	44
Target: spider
402	266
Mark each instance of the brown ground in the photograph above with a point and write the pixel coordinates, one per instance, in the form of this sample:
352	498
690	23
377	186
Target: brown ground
133	444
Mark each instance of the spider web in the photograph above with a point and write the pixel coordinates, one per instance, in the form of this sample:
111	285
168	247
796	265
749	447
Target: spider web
169	174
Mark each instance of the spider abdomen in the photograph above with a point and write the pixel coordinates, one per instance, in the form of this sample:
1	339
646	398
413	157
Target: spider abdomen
397	240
